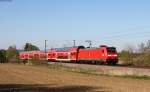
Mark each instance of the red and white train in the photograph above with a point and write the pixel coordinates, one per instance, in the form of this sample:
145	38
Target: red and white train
103	54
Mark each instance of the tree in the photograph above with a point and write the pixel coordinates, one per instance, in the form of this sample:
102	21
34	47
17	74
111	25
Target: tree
130	48
2	56
30	47
142	47
148	44
127	55
12	53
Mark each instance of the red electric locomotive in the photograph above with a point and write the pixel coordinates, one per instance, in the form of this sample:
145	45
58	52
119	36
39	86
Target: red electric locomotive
103	54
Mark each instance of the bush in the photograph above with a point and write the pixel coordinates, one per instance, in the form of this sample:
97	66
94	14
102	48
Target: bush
142	60
126	57
137	59
3	57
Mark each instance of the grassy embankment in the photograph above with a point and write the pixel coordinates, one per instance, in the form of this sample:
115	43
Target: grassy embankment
59	66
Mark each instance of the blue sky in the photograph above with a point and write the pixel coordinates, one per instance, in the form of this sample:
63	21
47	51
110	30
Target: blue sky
111	22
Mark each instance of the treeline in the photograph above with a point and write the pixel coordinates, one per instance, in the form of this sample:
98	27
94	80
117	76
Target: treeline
12	54
141	57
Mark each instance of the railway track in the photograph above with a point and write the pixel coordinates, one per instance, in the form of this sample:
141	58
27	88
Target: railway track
110	70
118	65
138	67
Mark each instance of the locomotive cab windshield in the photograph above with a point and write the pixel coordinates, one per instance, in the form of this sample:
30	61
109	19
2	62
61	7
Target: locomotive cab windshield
111	49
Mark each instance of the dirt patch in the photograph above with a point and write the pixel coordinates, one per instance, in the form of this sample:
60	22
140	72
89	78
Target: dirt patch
41	79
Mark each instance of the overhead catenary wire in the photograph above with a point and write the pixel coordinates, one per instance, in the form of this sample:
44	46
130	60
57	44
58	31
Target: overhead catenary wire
115	39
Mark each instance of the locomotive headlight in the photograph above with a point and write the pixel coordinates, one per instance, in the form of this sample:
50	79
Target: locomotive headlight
109	55
115	55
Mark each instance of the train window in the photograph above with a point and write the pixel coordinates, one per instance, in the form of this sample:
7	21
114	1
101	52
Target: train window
36	55
73	53
30	56
111	49
62	57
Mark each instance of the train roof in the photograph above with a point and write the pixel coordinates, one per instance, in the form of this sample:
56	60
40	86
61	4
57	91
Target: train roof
92	48
65	49
30	51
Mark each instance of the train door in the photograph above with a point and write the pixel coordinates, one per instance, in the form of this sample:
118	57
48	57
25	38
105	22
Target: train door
73	56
